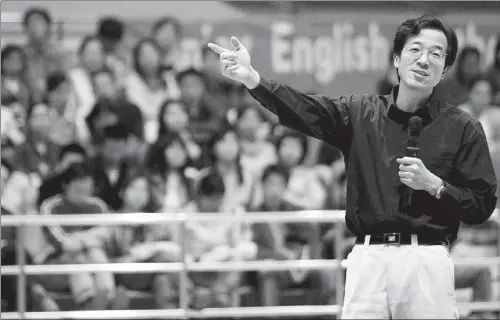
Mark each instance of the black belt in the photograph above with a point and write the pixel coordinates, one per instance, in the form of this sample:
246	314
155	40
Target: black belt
397	238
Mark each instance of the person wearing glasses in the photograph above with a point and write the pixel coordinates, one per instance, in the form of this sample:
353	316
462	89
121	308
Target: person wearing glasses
400	266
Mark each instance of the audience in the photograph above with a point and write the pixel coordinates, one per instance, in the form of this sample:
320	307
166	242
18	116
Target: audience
140	243
66	244
131	127
288	241
215	241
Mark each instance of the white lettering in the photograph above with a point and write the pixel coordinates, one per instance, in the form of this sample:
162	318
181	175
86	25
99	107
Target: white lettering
324	57
281	47
362	62
302	55
379	48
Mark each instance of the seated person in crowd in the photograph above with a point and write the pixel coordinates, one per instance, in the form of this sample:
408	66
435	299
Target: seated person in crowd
140	243
169	165
37	297
69	154
288	241
205	118
110	166
305	190
173	119
215	241
480	96
256	151
66	245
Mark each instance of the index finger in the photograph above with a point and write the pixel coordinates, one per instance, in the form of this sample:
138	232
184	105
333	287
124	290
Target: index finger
217	48
408	160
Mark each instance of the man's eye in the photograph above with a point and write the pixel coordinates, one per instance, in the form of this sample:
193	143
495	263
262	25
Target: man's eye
414	50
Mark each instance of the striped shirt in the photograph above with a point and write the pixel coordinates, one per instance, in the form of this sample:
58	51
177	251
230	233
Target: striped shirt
60	205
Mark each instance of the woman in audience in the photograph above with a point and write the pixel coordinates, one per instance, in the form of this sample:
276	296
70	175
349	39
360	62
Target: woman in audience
148	86
173	118
479	97
13	68
169	164
467	67
493	74
91	59
64	107
215	241
167	31
256	151
226	160
38	156
306	189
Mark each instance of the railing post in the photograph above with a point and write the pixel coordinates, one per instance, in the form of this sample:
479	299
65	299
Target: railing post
21	277
183	276
339	275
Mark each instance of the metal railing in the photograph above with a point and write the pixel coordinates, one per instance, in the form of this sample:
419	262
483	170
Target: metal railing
338	264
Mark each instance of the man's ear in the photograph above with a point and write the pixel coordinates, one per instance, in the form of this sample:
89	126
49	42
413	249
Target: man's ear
445	72
395	61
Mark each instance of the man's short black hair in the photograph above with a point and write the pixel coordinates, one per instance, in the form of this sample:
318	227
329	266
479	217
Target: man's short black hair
72	148
110	28
278	169
412	27
43	12
75	171
211	185
116	132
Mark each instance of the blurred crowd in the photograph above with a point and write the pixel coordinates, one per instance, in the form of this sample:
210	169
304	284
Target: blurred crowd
105	130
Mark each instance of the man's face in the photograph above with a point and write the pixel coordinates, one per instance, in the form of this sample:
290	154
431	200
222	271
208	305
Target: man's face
249	122
58	98
175	117
79	189
210	204
192	87
40	119
92	56
471	66
114	150
290	151
37	28
167	37
422	60
480	94
274	188
13	63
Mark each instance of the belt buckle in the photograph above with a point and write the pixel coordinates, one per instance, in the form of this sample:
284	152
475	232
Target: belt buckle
392	238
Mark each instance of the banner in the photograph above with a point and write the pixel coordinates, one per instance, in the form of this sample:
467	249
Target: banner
326	54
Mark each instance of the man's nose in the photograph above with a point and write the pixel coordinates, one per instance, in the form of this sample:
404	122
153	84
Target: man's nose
423	61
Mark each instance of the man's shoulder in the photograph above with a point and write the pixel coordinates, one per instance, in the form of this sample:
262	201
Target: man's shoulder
459	115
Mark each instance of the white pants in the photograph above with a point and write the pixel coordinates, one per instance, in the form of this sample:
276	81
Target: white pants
399	282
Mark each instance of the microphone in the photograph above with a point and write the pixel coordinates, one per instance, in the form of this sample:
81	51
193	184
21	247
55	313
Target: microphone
412	150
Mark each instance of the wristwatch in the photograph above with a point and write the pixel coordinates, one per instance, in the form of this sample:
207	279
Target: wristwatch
440	191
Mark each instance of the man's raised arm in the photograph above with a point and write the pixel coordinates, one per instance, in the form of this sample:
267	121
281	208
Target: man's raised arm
314	115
